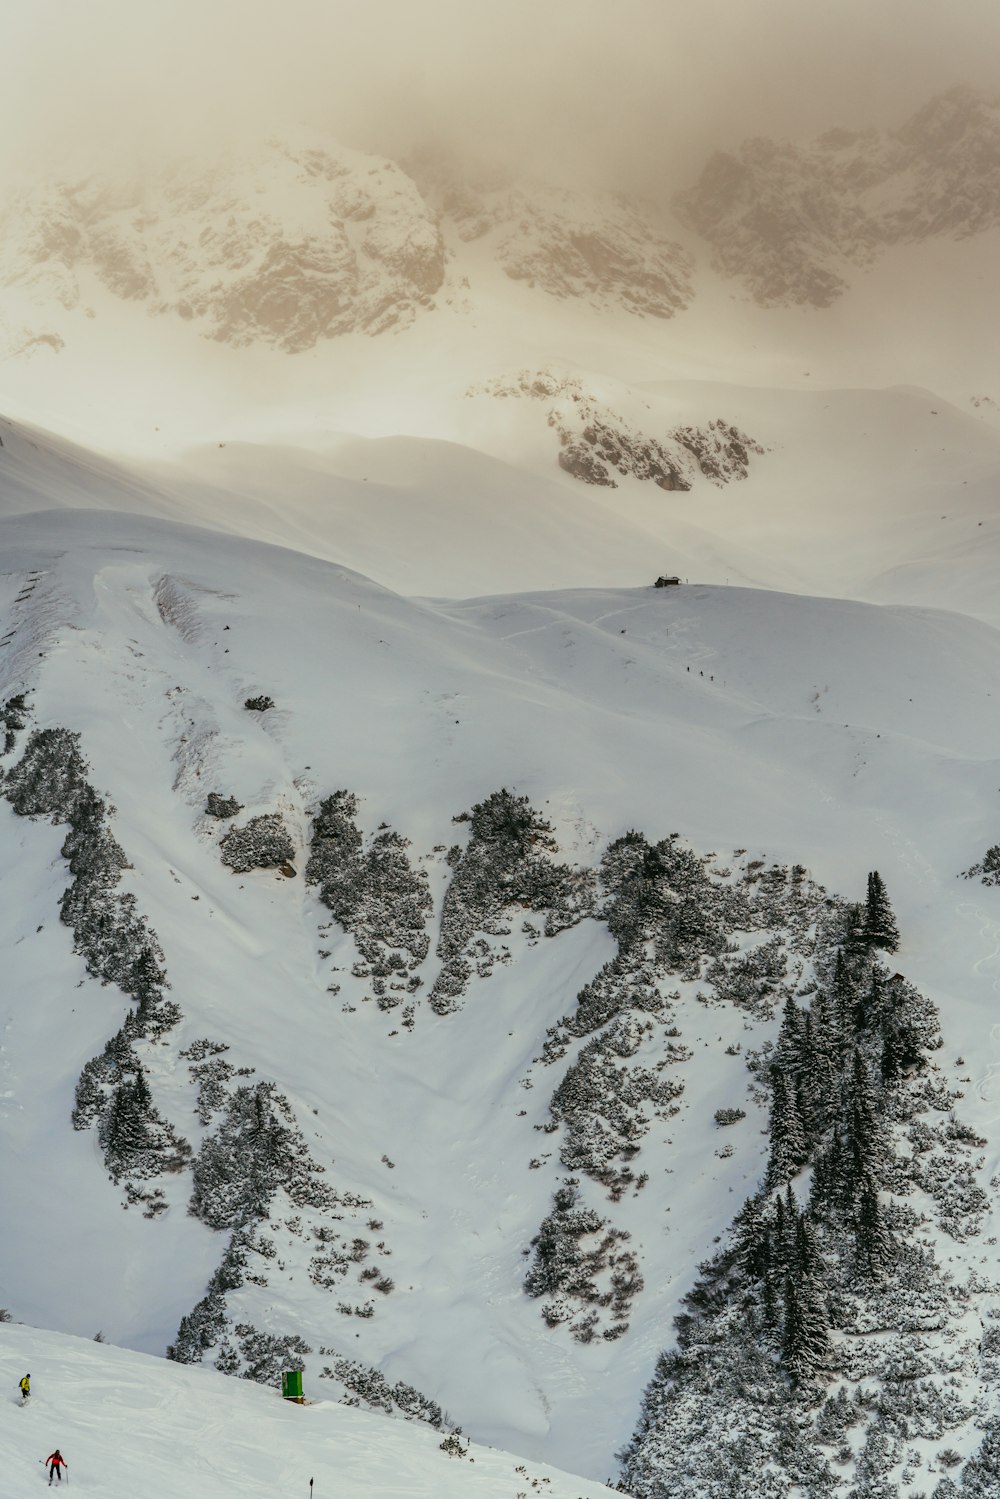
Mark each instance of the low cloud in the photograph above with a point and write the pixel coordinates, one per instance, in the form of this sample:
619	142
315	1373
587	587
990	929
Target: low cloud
627	92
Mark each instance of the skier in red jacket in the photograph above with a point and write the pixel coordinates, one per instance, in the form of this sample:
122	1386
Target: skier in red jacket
55	1465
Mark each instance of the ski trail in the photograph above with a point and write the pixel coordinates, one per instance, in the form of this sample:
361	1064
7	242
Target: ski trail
910	854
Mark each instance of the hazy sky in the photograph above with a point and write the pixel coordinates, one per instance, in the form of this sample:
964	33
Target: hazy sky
635	90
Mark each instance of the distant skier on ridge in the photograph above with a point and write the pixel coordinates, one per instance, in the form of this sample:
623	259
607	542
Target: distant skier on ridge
55	1464
25	1388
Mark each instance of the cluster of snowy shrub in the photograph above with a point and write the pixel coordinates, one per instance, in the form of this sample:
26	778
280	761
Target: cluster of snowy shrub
580	1264
673	916
255	1155
988	868
253	1165
241	1349
375	893
210	1072
255	1150
50	780
368	1388
218	805
262	843
803	1348
806	1336
504	867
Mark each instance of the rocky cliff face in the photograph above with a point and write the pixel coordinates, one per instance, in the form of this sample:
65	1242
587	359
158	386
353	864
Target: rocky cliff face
303	240
301	243
599	446
792	221
603	248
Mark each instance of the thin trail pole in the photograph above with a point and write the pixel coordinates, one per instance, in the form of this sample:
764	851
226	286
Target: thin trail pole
310	1489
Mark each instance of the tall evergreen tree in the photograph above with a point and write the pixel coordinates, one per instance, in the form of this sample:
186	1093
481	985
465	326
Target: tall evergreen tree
805	1343
813	1311
863	1145
869	1003
892	1053
782	1239
855	945
753	1246
831	1192
793	1334
788	1145
879	929
843	1006
820	1189
872	1240
902	1046
820	1067
788	1052
805	1083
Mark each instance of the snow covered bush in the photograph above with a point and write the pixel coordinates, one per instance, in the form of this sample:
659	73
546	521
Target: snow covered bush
579	1260
368	1387
607	1107
222	806
14	717
211	1073
256	1150
505	866
136	1141
262	843
50	778
988	869
265	1356
118	947
374	893
205	1326
839	1281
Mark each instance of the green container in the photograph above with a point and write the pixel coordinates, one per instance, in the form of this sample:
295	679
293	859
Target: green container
291	1385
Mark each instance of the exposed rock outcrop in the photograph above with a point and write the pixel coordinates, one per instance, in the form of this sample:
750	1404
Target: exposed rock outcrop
792	221
597	444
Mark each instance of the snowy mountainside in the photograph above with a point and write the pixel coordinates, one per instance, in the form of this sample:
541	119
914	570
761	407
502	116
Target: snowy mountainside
297	241
602	249
878	494
300	239
437	958
796	222
425	1142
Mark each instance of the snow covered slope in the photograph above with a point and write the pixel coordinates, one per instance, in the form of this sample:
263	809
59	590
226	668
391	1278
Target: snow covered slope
881	495
417	927
840	735
128	1424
